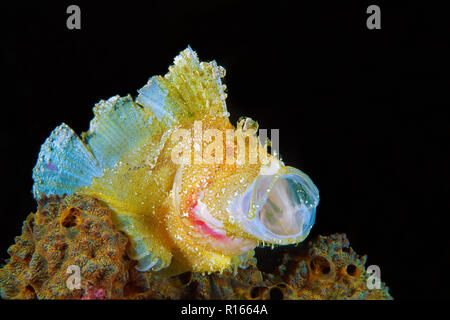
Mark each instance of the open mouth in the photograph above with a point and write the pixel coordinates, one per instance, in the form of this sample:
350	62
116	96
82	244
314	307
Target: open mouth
281	207
287	210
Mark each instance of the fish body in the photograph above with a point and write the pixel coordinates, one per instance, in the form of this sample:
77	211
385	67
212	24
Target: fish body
170	165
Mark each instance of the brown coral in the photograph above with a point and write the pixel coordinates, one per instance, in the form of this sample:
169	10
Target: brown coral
63	232
79	231
326	268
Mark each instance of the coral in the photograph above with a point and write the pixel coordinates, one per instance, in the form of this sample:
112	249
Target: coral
78	230
326	268
64	232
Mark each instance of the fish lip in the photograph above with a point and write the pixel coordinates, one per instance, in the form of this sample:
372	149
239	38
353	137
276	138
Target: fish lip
219	238
248	206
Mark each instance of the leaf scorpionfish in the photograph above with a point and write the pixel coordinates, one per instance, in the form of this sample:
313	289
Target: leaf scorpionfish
182	206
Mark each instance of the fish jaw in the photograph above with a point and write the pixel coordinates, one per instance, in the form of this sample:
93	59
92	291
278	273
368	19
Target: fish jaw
213	230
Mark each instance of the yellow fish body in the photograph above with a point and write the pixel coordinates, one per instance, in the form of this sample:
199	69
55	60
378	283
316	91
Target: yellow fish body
180	178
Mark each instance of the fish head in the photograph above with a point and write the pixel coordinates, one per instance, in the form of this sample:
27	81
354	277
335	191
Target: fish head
231	208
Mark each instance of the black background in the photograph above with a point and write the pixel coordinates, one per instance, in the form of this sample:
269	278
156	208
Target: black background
363	112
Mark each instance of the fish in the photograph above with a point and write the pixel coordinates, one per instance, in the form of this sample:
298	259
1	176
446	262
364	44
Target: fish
190	190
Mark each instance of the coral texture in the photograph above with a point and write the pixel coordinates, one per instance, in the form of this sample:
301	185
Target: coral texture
326	268
78	231
72	231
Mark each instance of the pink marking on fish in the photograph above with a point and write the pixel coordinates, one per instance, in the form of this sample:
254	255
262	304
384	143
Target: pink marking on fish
50	166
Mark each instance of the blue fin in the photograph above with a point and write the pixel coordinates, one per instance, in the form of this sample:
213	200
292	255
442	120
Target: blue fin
64	164
118	126
153	97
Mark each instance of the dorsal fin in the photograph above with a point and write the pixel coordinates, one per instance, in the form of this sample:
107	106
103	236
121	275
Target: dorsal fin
190	90
64	164
118	126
